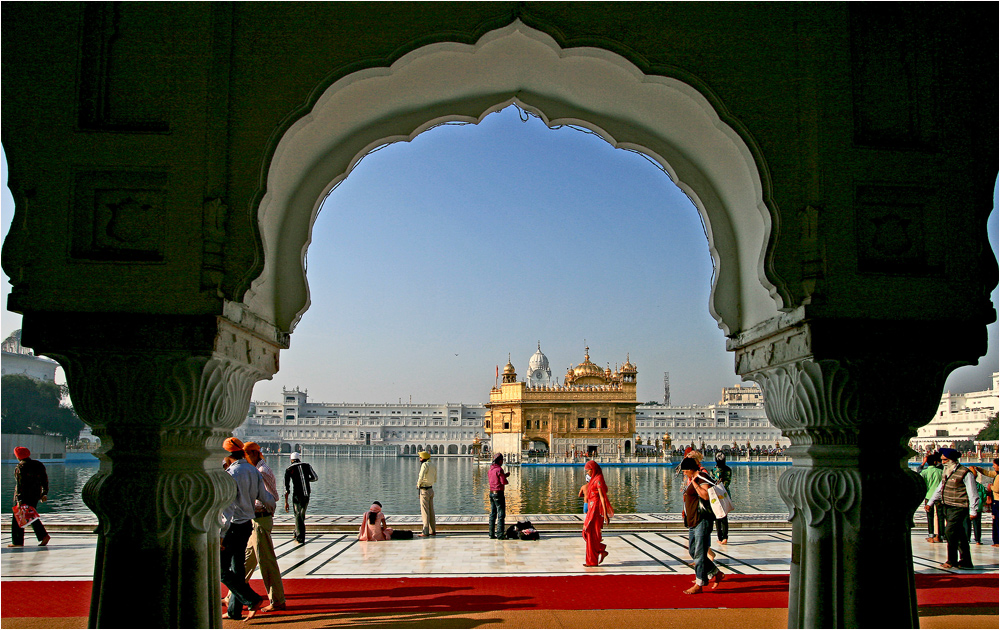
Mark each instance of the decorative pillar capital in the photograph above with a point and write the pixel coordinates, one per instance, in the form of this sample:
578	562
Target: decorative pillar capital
161	392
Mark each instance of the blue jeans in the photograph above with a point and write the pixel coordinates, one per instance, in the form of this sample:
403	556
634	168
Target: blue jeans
698	542
231	559
498	511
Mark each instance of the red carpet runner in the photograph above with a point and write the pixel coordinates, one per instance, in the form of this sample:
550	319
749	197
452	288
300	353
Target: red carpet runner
578	592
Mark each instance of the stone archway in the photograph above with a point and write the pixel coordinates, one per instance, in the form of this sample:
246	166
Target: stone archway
676	123
665	118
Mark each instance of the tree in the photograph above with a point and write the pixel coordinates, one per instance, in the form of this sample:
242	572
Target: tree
32	406
990	431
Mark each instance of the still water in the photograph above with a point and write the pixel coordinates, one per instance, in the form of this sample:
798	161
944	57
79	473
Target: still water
349	485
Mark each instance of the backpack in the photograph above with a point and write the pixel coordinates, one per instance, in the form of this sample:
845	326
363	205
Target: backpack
523	525
718	497
511	533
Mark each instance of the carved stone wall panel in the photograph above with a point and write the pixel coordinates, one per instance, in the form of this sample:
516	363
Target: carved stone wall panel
119	216
892	225
121	85
894	78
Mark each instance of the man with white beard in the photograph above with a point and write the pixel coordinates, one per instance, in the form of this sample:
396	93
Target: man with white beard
960	498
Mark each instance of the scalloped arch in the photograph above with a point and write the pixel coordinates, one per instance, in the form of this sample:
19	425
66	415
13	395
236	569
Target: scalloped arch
663	117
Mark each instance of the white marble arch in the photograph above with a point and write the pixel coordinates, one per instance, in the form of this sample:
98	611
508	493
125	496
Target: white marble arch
665	118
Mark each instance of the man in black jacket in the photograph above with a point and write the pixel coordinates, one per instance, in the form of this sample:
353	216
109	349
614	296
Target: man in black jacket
31	485
299	474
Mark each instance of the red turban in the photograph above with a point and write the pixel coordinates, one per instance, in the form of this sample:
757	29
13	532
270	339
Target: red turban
22	453
232	445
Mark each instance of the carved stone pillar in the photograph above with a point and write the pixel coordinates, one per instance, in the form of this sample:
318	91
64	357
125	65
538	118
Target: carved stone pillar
161	392
849	398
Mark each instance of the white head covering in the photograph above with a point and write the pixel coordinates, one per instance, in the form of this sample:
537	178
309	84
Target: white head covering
296	456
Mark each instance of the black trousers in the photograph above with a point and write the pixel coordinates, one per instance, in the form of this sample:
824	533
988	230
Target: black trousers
957	531
722	528
299	505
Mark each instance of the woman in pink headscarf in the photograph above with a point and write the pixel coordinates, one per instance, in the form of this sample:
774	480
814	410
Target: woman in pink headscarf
599	512
373	524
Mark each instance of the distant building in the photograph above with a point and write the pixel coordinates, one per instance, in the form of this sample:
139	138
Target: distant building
362	429
17	359
959	417
737	420
592	412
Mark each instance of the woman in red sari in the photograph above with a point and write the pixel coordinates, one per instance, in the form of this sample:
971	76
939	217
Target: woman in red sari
599	512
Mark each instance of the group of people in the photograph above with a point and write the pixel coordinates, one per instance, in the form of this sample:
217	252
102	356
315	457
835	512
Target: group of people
247	522
954	500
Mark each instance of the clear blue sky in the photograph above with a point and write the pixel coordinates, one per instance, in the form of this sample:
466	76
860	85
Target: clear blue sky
436	258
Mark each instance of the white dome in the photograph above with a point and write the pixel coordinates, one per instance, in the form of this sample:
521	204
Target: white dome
538	361
538	369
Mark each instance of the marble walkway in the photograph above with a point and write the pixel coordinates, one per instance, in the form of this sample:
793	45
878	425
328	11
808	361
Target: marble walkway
327	554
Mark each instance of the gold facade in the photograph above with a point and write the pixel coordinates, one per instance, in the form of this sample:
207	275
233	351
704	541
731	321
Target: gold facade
592	412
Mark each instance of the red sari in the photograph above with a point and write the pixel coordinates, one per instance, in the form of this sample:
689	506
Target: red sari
598	509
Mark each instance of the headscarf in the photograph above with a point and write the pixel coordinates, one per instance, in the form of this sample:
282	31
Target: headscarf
373	512
498	460
596	488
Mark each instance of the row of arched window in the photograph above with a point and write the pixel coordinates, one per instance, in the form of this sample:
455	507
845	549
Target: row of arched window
436	449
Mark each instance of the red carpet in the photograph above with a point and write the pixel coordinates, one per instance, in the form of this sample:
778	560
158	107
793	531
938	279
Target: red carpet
579	592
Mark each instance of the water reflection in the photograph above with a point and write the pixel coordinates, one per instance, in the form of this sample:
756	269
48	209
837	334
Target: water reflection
349	485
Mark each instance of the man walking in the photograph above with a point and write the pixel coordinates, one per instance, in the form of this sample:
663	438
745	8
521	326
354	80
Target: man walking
425	486
237	526
298	476
960	498
31	485
260	548
498	502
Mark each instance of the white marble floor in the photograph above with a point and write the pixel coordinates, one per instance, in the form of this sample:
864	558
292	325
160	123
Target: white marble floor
71	556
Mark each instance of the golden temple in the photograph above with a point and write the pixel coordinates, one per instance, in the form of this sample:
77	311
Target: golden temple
592	413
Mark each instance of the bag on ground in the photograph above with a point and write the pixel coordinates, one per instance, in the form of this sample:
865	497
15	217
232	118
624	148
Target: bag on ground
401	534
511	533
522	525
718	497
529	533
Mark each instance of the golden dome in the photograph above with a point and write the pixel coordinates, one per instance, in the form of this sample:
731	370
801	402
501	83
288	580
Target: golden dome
587	368
628	367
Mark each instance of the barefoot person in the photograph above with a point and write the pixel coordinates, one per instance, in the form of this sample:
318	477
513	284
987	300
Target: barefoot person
425	489
599	512
298	476
373	527
237	526
260	548
31	485
699	529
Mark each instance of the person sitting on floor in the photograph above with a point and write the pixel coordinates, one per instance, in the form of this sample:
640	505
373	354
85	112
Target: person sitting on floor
373	525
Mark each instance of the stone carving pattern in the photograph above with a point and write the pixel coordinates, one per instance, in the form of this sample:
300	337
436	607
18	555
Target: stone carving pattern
811	401
817	494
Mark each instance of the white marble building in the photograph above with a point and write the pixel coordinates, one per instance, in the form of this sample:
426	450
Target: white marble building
363	429
738	418
959	417
18	359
